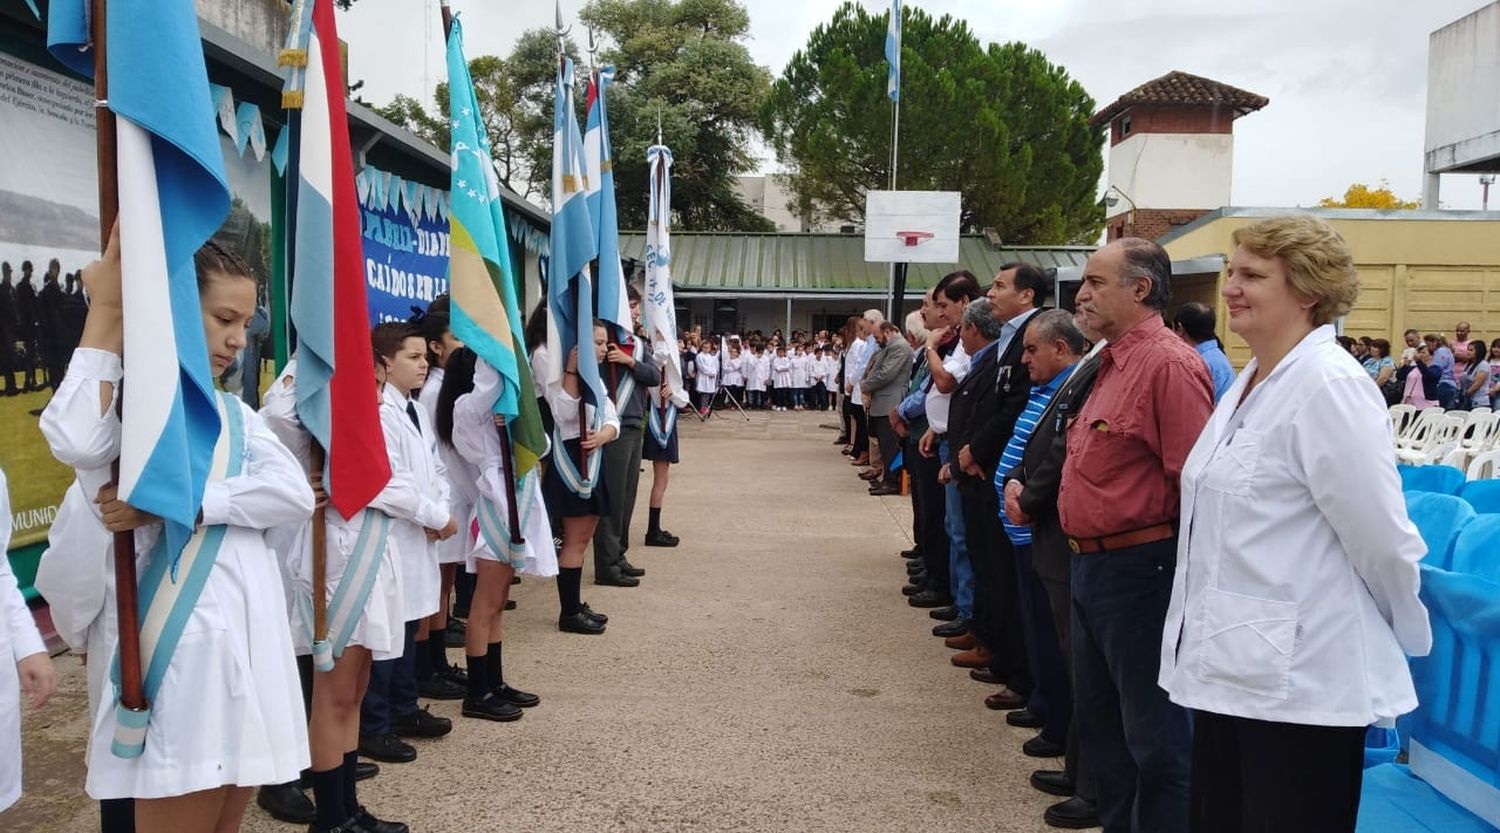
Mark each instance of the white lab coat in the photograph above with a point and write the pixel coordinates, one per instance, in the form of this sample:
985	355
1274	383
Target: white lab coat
757	372
381	626
77	578
477	446
781	372
708	372
229	708
418	503
800	363
18	640
461	491
734	375
1295	598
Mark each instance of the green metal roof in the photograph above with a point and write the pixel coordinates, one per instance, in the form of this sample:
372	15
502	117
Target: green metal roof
795	263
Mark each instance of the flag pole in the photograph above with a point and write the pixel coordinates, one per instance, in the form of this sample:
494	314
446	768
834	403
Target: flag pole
132	692
599	91
502	431
583	423
893	304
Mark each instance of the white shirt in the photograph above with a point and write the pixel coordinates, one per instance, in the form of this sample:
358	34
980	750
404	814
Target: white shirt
854	367
957	365
1295	598
18	640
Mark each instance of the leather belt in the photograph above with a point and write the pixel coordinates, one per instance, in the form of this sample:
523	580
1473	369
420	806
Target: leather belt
1123	540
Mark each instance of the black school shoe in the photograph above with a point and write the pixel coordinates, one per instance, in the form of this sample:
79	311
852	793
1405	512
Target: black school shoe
368	823
593	614
420	724
944	614
662	538
387	748
1073	814
615	578
286	802
491	707
579	623
441	687
516	697
631	570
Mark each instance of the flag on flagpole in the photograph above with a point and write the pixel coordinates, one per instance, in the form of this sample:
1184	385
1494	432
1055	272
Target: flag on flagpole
336	395
482	282
658	307
614	301
173	197
893	52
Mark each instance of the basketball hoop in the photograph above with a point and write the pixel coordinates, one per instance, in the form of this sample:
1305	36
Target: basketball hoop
912	238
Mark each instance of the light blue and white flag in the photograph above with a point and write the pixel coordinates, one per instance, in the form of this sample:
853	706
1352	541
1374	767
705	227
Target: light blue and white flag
614	301
570	291
893	52
658	306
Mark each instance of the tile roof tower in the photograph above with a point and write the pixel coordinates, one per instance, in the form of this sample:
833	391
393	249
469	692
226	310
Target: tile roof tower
1171	152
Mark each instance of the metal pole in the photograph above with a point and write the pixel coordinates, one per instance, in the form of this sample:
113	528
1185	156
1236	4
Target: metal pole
890	290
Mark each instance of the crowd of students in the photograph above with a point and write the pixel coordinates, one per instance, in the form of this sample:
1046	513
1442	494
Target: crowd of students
761	372
244	692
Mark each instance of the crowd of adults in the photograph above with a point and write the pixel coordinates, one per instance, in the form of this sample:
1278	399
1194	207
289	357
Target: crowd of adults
41	319
1433	370
1199	588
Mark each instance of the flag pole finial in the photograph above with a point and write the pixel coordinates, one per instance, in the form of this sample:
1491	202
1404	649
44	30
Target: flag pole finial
658	124
593	49
560	29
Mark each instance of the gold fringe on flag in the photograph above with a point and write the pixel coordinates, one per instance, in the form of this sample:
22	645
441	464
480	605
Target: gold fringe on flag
291	100
291	58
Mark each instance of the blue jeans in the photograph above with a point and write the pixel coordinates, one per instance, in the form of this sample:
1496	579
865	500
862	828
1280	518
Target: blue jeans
393	688
1138	742
960	571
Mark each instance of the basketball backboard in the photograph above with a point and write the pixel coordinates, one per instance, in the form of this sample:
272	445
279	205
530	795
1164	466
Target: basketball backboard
911	226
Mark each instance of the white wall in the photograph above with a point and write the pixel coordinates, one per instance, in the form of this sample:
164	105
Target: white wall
261	23
1463	91
1173	170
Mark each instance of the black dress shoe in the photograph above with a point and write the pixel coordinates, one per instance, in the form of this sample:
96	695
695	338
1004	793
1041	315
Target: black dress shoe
387	748
958	627
420	724
516	697
364	770
985	675
631	570
510	604
616	579
1040	747
1025	719
914	588
454	673
579	623
947	613
914	567
885	489
1073	814
929	598
368	823
911	553
1053	782
286	802
491	707
593	614
440	687
515	580
661	538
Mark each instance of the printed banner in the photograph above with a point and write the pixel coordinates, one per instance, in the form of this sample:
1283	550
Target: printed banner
405	242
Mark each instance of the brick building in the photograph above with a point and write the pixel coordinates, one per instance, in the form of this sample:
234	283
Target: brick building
1171	152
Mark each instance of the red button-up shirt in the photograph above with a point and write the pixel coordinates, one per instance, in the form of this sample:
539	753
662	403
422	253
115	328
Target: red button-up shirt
1127	445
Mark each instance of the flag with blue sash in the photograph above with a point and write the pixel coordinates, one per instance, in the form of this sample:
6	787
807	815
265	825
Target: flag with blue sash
570	291
173	197
614	301
893	52
658	306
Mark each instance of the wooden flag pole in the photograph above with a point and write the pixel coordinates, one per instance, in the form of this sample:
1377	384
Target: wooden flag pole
320	550
132	692
502	432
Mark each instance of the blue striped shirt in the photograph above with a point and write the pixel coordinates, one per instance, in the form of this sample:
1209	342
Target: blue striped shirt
1036	403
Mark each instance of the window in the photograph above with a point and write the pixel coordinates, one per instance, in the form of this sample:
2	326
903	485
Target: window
1124	126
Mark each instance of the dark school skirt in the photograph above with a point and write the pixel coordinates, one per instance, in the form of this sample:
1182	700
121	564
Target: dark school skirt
560	500
654	450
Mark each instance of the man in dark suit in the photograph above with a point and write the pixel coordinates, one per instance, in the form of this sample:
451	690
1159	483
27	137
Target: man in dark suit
1014	298
1031	498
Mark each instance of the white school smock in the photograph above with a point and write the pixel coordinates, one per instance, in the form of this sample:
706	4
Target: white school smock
800	362
755	379
1295	597
478	450
380	627
708	372
229	710
18	640
734	375
781	372
565	412
76	576
461	492
419	503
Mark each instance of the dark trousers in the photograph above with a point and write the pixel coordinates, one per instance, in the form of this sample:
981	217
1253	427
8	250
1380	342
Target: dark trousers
393	688
1252	776
931	537
885	435
997	616
622	475
1138	742
861	430
1054	691
1075	766
820	396
781	397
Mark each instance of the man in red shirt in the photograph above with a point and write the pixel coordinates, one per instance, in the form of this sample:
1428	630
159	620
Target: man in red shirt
1118	504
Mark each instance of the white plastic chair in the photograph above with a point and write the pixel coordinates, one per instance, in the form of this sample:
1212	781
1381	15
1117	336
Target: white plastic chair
1482	409
1402	417
1440	438
1478	435
1484	466
1421	427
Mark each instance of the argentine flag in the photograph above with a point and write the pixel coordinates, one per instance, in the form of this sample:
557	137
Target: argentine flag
893	52
173	197
614	301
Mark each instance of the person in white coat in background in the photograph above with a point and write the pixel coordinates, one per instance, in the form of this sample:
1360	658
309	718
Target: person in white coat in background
1294	605
191	775
708	366
25	667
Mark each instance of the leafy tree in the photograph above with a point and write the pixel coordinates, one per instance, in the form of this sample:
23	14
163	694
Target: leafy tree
1360	195
1001	124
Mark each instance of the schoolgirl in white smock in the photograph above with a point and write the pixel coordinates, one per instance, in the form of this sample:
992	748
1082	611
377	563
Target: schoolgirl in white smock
228	712
462	492
18	640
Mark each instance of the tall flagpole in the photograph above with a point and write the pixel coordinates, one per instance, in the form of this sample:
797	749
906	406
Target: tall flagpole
893	28
583	421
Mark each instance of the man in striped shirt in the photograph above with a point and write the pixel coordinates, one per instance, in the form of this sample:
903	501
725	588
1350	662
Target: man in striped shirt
1053	344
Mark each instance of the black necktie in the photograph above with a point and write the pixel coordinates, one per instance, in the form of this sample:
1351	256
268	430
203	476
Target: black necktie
411	411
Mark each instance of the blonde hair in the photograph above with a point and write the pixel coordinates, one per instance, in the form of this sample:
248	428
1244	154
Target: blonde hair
1319	265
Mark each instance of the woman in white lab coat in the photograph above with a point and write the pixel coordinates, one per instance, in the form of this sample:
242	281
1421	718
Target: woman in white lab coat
24	665
1295	600
194	774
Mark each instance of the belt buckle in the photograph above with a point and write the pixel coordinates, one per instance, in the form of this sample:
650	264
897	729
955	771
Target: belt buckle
1073	545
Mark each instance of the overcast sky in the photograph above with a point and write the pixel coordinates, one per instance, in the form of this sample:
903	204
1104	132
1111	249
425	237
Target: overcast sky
1346	78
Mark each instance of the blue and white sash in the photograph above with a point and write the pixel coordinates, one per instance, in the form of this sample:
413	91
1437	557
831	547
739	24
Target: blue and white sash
348	602
169	590
494	526
566	463
661	419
